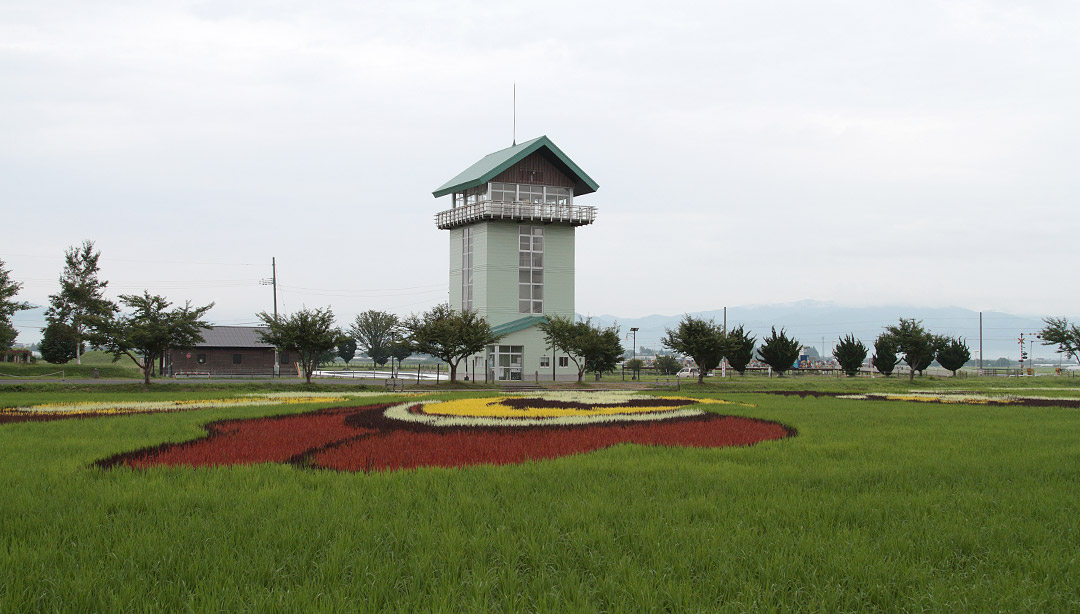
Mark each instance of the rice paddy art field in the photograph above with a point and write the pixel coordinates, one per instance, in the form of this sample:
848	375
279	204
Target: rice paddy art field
702	500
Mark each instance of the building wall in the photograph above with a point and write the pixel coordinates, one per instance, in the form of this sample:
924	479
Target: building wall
219	361
535	169
495	290
534	346
455	269
495	277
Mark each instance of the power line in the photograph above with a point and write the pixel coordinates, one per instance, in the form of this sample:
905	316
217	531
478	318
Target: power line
150	261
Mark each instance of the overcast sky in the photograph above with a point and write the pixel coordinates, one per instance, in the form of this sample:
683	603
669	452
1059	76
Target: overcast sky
859	152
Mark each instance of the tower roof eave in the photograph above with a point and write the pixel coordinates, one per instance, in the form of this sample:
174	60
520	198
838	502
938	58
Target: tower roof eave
495	163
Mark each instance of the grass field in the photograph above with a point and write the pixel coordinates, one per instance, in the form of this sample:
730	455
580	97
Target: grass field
101	361
887	506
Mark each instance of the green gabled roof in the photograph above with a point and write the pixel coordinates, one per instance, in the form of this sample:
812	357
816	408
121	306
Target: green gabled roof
494	163
514	326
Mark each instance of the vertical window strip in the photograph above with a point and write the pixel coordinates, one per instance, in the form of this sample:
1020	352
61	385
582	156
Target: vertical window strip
466	269
531	269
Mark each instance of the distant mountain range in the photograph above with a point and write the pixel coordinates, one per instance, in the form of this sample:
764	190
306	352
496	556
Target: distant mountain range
818	323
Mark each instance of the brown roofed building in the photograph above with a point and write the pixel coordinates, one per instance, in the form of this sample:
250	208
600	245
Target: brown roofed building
226	351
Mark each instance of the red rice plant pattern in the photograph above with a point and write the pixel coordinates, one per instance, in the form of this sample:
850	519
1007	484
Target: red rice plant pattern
364	439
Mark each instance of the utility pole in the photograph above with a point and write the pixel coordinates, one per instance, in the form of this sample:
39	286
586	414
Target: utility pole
634	330
273	282
980	343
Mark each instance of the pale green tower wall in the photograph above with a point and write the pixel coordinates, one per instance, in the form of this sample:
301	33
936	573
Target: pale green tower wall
495	270
455	267
495	288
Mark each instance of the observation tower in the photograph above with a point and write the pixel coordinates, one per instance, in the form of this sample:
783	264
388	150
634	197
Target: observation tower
512	221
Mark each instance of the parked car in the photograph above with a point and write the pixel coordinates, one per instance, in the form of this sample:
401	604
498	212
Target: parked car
687	372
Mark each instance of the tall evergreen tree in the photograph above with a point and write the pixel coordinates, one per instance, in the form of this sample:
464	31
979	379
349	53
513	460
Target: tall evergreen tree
885	358
779	351
740	348
953	354
82	294
850	353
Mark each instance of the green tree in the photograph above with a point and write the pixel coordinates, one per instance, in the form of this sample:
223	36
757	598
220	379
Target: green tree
8	306
307	334
7	336
700	339
449	335
326	358
588	346
148	331
740	348
58	343
379	355
667	365
374	332
604	349
82	294
1066	336
885	358
399	351
953	354
850	353
917	344
779	351
635	364
346	349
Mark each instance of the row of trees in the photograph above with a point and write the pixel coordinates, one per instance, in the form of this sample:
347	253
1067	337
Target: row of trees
143	327
910	340
708	344
445	333
79	313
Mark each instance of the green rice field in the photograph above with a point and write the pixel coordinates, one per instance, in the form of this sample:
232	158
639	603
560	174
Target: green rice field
873	506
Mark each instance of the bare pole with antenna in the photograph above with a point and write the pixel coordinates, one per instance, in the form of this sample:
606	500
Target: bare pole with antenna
515	115
273	282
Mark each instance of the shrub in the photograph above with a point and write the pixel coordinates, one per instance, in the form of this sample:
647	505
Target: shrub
850	353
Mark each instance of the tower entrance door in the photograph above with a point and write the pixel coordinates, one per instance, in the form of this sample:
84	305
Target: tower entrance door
505	362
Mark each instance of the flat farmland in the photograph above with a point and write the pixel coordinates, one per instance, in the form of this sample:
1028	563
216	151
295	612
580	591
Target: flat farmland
899	503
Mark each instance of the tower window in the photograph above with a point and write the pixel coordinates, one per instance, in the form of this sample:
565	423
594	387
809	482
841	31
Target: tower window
530	269
531	194
466	268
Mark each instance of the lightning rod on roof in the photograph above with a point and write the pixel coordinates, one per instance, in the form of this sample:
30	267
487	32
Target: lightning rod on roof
514	143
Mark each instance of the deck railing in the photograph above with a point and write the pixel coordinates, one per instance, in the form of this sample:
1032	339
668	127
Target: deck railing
492	210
